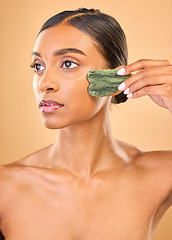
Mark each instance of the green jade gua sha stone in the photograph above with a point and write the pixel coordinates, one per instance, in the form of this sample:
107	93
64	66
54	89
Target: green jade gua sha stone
105	82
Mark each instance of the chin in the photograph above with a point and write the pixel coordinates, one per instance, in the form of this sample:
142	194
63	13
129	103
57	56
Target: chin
51	125
55	123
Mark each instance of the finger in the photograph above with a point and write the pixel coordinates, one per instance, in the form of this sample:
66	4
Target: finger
146	74
148	90
136	83
122	66
163	91
144	64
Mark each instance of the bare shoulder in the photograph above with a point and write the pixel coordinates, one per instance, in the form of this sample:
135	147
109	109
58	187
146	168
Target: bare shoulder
158	168
149	159
155	167
156	160
16	175
6	185
151	164
37	159
158	165
12	173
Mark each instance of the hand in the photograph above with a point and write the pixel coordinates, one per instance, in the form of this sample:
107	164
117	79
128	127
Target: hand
153	78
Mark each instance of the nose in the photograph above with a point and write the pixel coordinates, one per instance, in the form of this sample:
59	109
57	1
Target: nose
48	83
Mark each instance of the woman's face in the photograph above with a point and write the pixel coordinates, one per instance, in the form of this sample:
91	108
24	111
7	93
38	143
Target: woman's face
62	57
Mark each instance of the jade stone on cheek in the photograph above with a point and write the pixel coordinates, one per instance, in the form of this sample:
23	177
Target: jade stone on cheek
104	82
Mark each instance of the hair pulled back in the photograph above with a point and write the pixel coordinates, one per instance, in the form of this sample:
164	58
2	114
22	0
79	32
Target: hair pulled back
103	29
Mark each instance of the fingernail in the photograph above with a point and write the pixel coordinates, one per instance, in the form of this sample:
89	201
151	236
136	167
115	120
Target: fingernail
121	71
129	95
121	87
126	91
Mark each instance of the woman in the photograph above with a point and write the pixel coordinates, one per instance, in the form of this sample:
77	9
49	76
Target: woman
87	185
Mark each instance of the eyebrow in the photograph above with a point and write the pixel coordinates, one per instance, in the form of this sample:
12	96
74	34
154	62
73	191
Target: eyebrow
68	50
62	52
36	54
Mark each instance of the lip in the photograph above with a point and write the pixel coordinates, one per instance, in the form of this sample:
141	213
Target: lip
49	105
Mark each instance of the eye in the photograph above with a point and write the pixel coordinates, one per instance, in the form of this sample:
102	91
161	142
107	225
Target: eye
69	64
38	67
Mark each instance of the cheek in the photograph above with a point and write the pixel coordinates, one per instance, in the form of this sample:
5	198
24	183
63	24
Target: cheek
80	102
35	88
75	89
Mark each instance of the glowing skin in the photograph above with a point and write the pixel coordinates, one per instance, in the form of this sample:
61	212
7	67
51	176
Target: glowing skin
87	185
66	82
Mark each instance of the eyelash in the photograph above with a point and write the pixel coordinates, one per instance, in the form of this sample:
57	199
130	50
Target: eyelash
33	65
71	62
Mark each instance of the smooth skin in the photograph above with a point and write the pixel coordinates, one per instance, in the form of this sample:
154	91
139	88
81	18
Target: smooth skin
87	185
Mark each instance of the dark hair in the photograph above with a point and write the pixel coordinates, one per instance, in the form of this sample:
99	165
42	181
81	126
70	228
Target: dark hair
103	29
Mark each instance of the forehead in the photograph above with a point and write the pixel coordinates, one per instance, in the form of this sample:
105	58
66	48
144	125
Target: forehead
64	36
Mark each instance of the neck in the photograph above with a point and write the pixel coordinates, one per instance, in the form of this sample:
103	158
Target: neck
86	147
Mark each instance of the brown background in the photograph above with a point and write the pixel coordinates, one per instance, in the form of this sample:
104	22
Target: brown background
148	26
